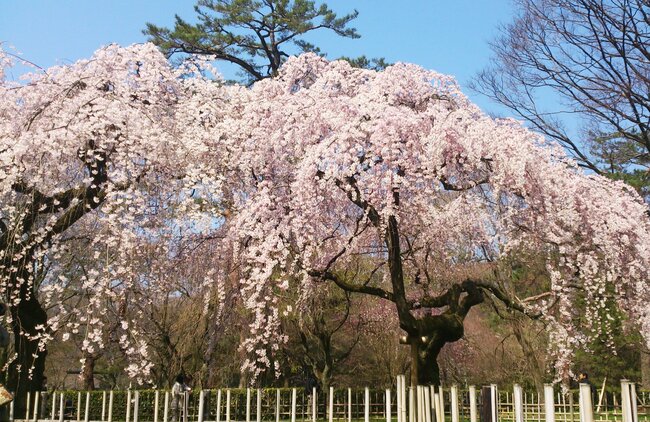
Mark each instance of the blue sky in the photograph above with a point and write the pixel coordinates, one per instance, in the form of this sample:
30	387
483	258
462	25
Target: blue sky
450	36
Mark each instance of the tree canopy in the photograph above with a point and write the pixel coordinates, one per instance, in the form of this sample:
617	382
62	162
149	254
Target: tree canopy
397	168
257	36
386	183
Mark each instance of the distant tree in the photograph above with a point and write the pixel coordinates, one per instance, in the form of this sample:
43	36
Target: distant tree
257	36
593	56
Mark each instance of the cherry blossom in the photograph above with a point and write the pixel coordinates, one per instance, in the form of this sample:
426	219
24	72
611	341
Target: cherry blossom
398	174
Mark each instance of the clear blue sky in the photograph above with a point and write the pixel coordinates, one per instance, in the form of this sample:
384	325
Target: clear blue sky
450	36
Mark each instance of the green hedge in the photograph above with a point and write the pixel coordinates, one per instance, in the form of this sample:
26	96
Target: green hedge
146	404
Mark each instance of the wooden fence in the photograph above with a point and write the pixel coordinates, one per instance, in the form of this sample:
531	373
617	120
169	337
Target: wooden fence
403	404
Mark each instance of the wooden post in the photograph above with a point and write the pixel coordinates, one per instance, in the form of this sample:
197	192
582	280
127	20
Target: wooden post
293	405
156	405
366	413
586	407
314	403
418	403
110	406
201	399
87	408
228	405
411	405
472	404
259	405
549	403
277	405
330	408
518	403
388	409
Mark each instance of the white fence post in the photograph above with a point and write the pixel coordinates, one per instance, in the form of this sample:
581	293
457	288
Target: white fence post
586	406
61	407
219	405
165	407
419	401
248	405
628	401
549	403
136	407
128	405
518	403
87	409
472	404
293	405
403	396
228	405
186	403
277	405
104	405
440	404
366	413
398	398
201	399
388	407
27	409
110	407
495	402
411	405
455	415
156	405
349	405
37	405
428	398
53	408
633	401
259	405
330	409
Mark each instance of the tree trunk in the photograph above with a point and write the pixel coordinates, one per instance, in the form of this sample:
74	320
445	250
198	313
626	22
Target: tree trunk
88	372
645	367
27	370
326	377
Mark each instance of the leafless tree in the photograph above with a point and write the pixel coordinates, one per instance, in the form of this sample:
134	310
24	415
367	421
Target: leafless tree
563	61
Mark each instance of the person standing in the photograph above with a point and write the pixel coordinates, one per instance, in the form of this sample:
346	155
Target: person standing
179	390
583	378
